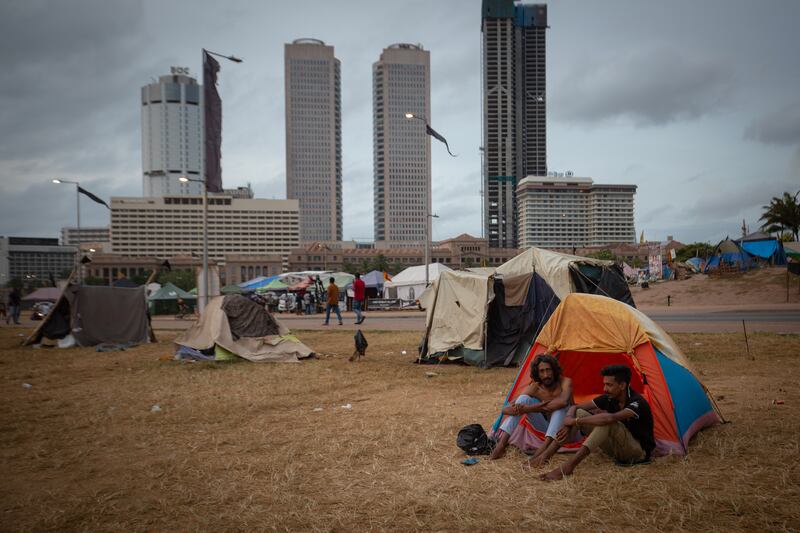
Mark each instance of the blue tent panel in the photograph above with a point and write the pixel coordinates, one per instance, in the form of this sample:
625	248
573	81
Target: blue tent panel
763	249
688	397
254	284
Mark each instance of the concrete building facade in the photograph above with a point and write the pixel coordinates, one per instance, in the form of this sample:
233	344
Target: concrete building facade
72	236
463	251
514	126
173	226
314	137
559	212
402	149
171	134
33	260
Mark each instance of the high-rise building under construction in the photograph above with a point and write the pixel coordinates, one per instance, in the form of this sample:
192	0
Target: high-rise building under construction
514	110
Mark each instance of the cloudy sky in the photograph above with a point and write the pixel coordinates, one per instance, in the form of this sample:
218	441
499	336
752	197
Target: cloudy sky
697	103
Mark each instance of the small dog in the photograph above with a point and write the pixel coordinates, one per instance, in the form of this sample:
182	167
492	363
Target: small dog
361	347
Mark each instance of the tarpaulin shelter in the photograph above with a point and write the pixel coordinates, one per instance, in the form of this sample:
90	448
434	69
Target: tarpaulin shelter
764	247
165	300
410	283
373	283
697	264
257	283
235	325
728	253
97	315
274	285
43	294
492	320
231	289
588	332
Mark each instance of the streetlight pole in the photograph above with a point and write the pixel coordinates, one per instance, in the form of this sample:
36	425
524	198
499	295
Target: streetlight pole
204	273
436	135
428	222
78	238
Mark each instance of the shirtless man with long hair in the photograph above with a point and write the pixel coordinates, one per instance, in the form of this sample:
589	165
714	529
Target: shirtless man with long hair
545	402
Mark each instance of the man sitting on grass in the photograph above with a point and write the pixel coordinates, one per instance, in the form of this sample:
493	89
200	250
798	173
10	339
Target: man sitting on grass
619	422
545	402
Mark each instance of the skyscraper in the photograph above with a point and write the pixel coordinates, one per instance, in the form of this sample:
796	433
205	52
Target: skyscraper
171	135
514	109
402	149
314	138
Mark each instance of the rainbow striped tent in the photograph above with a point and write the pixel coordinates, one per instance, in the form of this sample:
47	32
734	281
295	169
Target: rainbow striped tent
587	332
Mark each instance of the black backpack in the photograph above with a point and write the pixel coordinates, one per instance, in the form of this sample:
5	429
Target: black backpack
474	441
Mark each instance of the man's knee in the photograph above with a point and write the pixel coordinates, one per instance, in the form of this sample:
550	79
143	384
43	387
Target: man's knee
580	413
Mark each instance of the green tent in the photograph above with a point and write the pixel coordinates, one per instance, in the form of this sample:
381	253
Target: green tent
231	289
165	300
275	285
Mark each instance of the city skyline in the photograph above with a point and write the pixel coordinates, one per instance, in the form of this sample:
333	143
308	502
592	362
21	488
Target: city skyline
676	101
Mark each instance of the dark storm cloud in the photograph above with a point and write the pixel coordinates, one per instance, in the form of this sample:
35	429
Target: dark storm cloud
649	87
63	84
781	127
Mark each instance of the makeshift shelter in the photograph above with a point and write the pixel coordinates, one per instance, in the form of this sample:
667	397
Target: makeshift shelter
764	248
257	283
233	325
165	300
697	264
97	315
493	320
728	254
410	283
588	332
231	289
44	294
373	284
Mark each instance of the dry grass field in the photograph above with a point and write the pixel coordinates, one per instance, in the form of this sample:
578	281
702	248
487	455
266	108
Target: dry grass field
243	446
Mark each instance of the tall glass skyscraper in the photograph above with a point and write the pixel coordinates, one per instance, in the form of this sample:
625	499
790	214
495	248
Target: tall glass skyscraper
514	109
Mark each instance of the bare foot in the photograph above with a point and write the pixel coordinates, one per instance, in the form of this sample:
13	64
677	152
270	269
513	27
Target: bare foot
538	461
554	475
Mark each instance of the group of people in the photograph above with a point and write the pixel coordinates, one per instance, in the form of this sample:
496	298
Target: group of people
332	301
618	422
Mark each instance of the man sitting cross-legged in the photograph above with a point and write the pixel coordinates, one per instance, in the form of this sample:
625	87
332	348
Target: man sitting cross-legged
619	422
545	402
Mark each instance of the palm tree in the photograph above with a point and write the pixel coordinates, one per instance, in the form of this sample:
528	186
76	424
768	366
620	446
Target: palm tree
782	214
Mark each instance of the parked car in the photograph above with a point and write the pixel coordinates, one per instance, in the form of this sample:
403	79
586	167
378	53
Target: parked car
41	310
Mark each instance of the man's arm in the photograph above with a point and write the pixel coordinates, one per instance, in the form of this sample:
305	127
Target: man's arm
600	419
563	399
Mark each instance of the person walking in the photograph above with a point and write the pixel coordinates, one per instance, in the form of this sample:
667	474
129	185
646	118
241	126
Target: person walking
333	303
359	289
14	303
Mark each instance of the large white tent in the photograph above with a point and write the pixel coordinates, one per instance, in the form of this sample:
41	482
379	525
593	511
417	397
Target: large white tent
410	283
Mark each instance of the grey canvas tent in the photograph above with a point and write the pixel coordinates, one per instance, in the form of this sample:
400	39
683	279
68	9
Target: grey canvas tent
97	315
492	319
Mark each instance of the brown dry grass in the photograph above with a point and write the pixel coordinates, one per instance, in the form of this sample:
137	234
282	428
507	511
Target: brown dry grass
239	447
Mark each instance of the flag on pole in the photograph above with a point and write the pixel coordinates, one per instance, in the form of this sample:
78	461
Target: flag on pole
212	115
92	196
436	135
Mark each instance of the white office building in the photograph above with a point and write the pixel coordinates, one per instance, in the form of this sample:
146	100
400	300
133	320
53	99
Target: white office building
73	236
173	226
171	135
402	149
564	211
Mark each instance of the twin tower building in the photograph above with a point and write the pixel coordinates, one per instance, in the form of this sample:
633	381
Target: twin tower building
513	130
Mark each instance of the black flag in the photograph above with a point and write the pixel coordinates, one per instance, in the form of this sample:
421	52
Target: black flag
212	114
92	196
433	133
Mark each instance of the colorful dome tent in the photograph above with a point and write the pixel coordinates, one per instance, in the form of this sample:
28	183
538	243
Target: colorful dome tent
492	319
728	252
764	247
587	332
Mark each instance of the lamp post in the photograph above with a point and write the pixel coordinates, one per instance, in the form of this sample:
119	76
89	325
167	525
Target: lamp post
428	244
59	181
433	133
204	273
